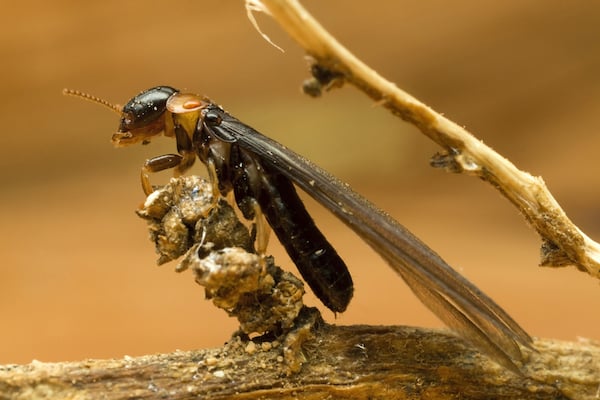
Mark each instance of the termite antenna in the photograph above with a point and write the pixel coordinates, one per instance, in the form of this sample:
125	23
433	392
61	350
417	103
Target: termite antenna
76	93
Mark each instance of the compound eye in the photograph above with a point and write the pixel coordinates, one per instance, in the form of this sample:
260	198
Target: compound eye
145	108
126	122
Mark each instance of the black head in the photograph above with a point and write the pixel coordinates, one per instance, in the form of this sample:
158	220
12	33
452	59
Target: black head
145	108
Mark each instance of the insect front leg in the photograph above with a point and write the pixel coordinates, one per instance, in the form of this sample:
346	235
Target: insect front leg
181	163
187	160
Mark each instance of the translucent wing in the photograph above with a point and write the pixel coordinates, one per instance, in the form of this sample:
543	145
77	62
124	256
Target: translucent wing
455	300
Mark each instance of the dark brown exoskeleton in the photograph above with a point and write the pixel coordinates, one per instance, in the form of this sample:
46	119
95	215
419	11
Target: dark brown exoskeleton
258	187
261	173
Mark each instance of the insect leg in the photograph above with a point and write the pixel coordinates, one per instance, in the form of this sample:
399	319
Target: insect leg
180	163
214	179
157	164
187	160
263	231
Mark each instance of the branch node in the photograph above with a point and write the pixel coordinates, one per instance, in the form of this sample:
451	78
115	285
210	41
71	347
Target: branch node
447	162
553	256
323	79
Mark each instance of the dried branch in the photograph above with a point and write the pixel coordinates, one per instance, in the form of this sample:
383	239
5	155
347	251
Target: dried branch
563	242
341	362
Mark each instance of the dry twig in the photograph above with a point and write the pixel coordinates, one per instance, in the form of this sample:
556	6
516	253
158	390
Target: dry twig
563	242
356	362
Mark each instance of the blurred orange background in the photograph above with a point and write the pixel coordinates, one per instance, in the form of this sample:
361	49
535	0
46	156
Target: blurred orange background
78	277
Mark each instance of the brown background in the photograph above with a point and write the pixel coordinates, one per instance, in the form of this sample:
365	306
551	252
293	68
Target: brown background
78	278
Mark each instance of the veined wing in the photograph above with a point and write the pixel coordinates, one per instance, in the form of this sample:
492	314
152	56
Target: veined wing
455	300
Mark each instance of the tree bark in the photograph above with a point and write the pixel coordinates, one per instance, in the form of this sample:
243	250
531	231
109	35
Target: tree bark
352	362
